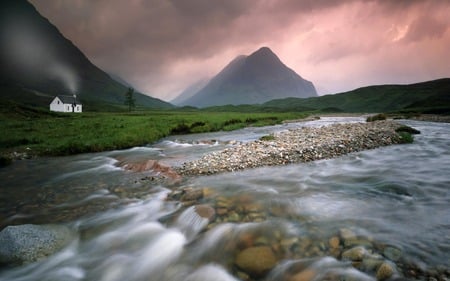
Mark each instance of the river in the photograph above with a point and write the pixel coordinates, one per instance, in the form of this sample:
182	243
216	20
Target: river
394	201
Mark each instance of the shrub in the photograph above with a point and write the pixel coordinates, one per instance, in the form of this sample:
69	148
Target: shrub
407	129
267	138
405	137
376	117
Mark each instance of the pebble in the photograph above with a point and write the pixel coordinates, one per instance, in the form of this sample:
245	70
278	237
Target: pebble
334	242
296	145
385	271
355	254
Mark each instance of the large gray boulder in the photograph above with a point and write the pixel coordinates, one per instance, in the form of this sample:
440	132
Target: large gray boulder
28	243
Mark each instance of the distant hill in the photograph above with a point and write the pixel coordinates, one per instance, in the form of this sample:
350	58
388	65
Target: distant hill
38	62
252	79
427	97
189	92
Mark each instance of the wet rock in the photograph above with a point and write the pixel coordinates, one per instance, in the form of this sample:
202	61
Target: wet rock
205	211
385	271
28	243
355	254
371	262
392	253
305	275
347	234
222	211
256	261
192	194
334	242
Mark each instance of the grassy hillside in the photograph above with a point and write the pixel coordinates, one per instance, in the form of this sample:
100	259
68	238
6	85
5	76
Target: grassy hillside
425	97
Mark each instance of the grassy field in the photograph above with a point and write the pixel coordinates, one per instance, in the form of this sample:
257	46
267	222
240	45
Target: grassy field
40	132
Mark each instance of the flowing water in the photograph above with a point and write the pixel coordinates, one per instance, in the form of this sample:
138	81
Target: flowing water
394	201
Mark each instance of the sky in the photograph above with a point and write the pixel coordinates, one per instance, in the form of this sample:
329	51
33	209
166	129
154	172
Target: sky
163	46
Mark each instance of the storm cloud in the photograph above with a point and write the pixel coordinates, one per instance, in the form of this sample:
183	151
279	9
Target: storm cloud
162	47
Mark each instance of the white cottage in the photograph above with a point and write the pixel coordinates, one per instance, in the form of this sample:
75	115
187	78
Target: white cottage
66	104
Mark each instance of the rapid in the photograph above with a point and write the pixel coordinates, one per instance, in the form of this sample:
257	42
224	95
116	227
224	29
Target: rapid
300	220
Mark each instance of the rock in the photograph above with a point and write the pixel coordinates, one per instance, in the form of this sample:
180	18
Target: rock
305	275
192	195
392	253
205	211
372	262
334	242
347	234
354	254
385	271
256	261
28	243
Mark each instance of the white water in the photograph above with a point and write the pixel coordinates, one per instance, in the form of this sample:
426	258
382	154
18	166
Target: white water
397	195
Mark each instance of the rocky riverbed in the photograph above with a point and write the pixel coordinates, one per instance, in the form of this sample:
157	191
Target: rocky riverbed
297	145
257	245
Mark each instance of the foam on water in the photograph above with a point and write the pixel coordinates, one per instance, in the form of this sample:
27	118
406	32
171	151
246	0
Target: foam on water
396	195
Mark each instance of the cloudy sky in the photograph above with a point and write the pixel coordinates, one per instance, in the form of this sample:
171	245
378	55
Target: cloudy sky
163	46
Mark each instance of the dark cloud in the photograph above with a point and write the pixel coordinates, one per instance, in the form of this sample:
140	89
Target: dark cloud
160	46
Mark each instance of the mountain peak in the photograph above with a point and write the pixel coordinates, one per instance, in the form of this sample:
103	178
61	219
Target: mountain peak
252	79
263	51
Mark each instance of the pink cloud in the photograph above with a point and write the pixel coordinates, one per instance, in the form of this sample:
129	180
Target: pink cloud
163	46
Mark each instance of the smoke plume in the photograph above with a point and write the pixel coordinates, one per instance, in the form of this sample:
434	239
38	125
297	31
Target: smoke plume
27	51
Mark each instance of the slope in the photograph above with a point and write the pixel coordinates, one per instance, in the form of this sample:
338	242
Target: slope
425	96
39	62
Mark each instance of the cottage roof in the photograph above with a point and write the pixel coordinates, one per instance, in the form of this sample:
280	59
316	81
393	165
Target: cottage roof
69	99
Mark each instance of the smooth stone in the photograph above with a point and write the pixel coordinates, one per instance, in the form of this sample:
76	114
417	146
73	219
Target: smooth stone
205	211
392	253
334	242
192	195
28	243
354	254
305	275
385	271
256	261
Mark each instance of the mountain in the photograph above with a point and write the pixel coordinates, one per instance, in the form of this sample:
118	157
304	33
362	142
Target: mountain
189	92
426	97
252	79
38	62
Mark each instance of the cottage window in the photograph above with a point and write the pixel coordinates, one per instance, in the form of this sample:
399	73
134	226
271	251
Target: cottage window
58	102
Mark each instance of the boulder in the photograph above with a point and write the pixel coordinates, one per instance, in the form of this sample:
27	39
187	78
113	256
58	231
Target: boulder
28	243
256	261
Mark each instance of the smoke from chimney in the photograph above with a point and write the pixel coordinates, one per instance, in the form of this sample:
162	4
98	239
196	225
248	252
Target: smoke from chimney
25	51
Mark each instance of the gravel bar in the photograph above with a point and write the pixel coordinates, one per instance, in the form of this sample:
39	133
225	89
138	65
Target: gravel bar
295	146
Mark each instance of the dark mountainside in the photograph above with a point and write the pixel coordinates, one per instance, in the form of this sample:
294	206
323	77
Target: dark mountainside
425	97
252	79
38	62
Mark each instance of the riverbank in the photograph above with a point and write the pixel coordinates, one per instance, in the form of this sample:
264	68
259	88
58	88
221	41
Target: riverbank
297	145
32	134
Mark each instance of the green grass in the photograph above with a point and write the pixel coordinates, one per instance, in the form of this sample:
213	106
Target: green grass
39	132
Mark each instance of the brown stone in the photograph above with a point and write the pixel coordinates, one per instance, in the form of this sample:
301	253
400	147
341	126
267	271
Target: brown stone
334	242
205	211
256	261
192	194
305	275
385	271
